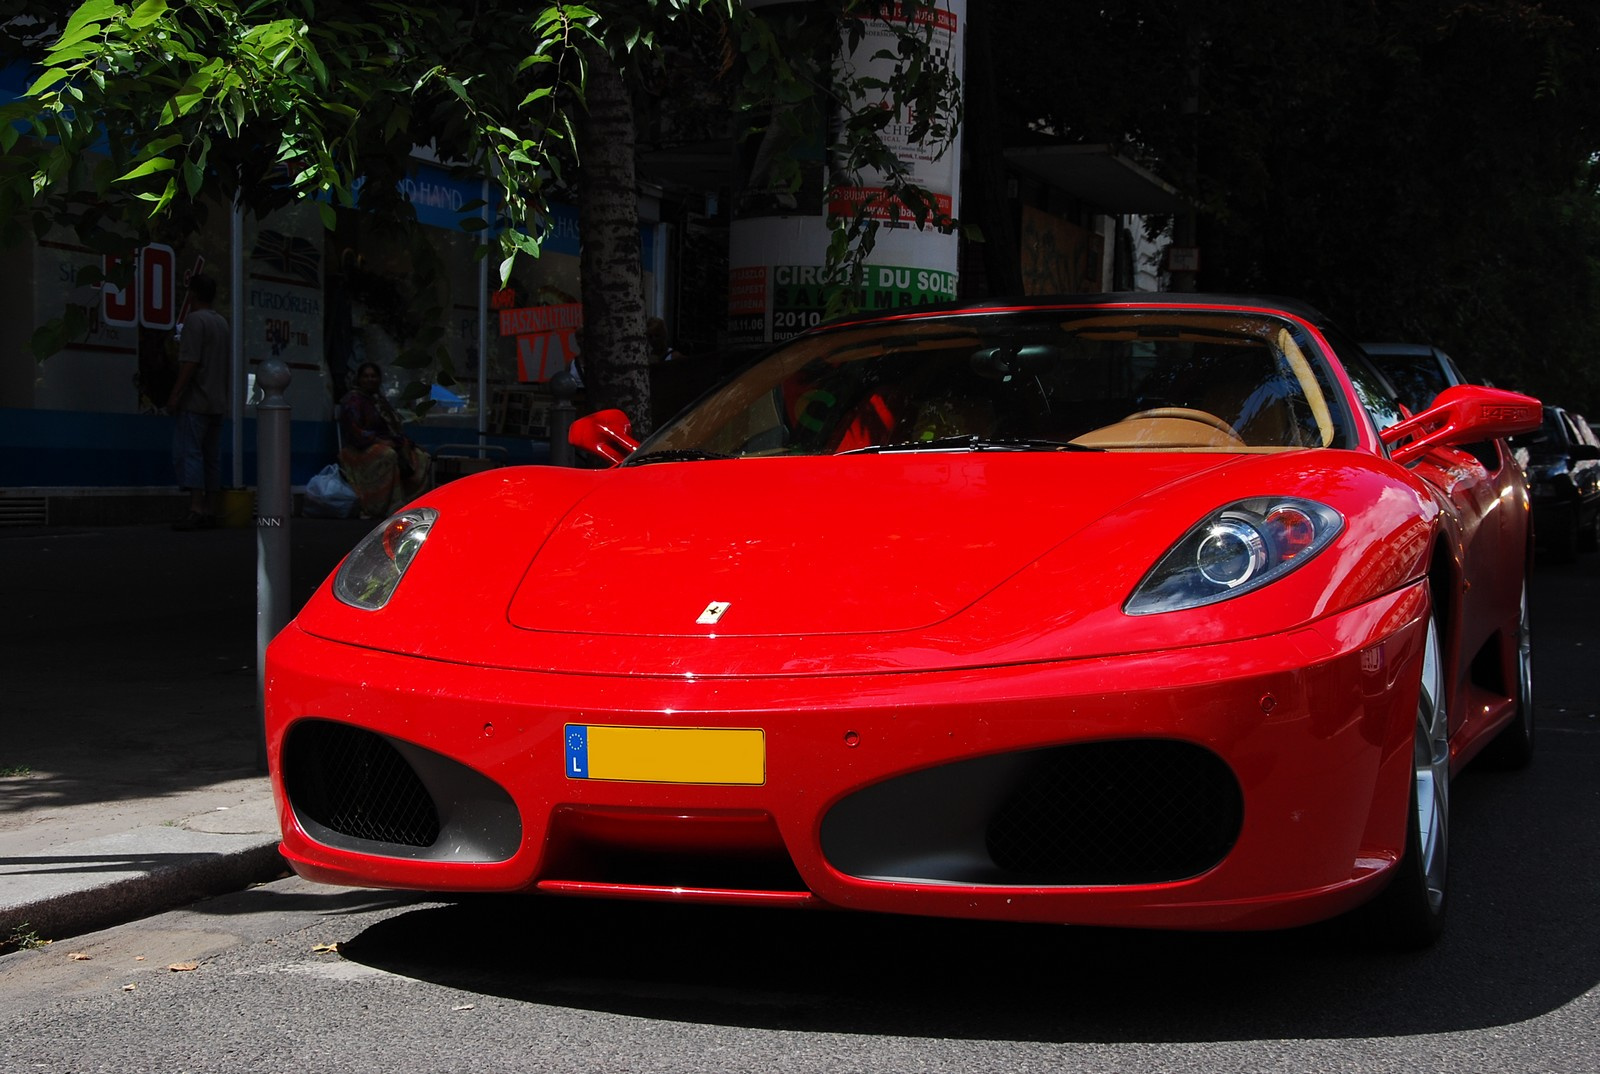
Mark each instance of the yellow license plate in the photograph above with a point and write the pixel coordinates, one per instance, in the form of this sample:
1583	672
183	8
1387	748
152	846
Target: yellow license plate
720	755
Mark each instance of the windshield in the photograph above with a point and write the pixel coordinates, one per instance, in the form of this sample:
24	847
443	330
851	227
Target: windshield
1087	380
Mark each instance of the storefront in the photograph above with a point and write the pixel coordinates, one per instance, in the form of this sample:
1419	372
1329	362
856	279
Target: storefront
412	296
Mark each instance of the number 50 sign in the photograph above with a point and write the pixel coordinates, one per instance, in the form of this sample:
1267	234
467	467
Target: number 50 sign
151	301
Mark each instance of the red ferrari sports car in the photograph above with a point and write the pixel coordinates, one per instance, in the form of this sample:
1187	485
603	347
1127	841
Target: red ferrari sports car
1130	610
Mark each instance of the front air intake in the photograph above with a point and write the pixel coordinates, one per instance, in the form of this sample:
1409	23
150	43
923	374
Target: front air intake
1117	813
355	783
1131	811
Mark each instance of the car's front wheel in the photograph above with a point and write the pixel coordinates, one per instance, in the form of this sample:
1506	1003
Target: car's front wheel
1410	911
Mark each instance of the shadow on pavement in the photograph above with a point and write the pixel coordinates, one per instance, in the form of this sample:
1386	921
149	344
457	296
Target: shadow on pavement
1519	944
130	657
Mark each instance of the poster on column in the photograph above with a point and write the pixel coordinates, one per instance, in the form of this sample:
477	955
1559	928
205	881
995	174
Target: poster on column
800	297
747	304
934	166
777	279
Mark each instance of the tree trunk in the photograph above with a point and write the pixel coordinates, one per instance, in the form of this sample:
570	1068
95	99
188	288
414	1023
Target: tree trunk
615	358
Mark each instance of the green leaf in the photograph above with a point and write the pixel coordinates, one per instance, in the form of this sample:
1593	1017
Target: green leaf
69	45
168	192
426	77
46	80
147	14
92	11
149	167
318	68
161	145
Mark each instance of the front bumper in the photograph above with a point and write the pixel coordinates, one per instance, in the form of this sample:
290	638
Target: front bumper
1258	783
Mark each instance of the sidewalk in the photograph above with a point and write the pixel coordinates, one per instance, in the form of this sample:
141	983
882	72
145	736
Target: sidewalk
129	779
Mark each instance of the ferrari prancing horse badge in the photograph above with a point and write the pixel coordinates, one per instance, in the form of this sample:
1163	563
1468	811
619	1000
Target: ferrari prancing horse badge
713	613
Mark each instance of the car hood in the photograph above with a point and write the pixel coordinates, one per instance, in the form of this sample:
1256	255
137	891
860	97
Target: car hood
832	566
887	543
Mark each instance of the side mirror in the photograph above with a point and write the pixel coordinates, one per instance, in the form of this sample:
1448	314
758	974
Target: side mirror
605	433
1463	414
1585	452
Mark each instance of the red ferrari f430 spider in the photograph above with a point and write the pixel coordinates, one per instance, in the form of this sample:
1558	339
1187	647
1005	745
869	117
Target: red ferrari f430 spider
1130	610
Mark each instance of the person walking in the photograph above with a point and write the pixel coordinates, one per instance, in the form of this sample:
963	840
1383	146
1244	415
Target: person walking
198	401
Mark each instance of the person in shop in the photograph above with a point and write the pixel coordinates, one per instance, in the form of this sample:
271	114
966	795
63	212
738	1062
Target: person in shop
386	470
197	403
655	333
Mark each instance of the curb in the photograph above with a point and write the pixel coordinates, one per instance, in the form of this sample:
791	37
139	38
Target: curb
133	885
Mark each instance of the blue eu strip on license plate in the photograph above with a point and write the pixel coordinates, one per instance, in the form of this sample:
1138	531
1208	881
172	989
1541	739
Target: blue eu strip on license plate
711	755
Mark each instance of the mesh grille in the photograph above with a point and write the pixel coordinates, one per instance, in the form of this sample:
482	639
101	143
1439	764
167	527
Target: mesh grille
355	783
1117	813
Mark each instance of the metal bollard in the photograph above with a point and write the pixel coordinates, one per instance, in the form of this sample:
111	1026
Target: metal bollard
274	506
565	389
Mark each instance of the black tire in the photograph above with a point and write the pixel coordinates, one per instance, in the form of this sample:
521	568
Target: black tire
1562	546
1409	913
1589	536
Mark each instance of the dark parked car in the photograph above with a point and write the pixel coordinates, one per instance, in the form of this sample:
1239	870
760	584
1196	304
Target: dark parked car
1564	481
1418	371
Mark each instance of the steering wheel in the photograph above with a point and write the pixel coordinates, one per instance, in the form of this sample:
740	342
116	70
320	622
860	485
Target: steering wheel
1183	413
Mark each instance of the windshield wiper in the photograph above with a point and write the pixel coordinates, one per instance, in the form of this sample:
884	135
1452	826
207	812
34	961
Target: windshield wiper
1028	443
676	455
973	443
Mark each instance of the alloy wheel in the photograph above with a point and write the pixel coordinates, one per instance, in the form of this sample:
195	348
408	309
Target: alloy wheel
1431	756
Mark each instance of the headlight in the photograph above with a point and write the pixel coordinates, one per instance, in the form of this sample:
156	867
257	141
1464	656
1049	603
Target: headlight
1241	547
369	574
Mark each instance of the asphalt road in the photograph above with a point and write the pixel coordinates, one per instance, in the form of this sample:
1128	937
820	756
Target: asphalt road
296	977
